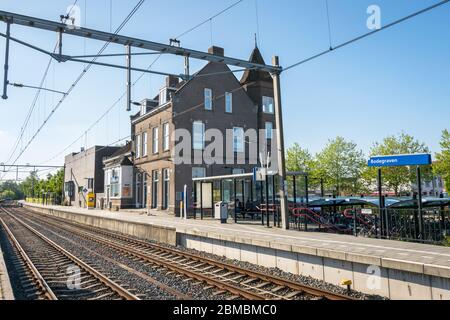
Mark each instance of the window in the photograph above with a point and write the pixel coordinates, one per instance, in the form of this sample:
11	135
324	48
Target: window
143	109
166	138
208	99
138	146
90	183
114	184
163	97
155	133
238	171
198	132
228	102
198	172
269	130
267	104
238	139
144	144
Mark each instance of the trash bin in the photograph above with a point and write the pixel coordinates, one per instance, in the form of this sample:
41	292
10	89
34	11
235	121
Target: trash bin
221	212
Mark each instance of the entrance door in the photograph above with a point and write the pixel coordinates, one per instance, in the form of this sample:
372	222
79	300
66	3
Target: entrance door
155	184
166	186
144	191
138	190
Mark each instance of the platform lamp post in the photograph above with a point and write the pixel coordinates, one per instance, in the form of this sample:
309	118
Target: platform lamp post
284	210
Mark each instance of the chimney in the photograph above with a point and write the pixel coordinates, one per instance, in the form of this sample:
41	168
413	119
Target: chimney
172	81
218	51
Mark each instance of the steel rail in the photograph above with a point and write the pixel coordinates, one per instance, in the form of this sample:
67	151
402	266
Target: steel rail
39	280
122	292
254	274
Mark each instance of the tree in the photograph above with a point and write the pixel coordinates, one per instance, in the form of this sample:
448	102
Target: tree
299	160
442	165
398	179
10	190
341	165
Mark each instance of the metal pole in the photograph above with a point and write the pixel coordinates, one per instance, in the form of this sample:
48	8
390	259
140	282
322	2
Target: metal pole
280	145
307	190
195	200
5	80
60	44
267	200
128	50
380	199
419	201
234	199
261	191
201	200
274	204
186	66
322	189
294	187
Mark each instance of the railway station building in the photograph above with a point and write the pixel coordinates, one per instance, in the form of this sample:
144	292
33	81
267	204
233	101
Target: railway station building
212	99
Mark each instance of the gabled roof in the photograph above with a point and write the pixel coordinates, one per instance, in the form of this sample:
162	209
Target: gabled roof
256	75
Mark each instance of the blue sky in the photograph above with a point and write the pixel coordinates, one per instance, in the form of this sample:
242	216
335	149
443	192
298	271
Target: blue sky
394	81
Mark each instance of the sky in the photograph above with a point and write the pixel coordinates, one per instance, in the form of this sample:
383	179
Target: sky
395	81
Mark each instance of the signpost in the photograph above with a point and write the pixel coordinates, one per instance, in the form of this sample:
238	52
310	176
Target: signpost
400	161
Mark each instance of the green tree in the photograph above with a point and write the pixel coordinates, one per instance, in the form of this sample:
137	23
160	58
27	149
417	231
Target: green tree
341	164
398	179
299	160
442	165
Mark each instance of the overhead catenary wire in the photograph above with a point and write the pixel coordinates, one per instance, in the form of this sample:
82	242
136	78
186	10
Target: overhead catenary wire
415	14
31	108
78	79
209	19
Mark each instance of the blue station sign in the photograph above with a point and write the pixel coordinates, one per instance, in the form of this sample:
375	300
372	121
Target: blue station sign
401	160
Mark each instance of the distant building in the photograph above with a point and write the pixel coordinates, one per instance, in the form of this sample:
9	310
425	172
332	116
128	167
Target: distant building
119	179
213	99
84	173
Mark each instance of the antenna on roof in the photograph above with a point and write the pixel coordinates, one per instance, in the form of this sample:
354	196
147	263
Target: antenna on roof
256	41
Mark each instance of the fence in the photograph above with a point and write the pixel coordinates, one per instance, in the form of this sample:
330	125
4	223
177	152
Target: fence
431	226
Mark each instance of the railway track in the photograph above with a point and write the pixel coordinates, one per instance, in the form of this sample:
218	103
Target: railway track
237	282
45	265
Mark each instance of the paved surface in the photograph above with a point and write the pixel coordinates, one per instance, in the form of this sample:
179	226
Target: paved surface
420	258
6	292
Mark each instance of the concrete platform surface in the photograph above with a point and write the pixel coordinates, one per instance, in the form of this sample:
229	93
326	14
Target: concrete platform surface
6	292
404	256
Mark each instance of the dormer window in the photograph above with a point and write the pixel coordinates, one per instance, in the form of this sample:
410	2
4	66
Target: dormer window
143	109
163	96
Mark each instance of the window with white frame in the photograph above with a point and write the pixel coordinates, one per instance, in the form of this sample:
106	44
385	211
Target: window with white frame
138	146
228	102
144	144
163	96
208	99
268	104
155	145
238	139
166	137
143	109
198	133
269	130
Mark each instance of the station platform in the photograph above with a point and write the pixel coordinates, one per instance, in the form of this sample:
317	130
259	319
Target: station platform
6	292
392	269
